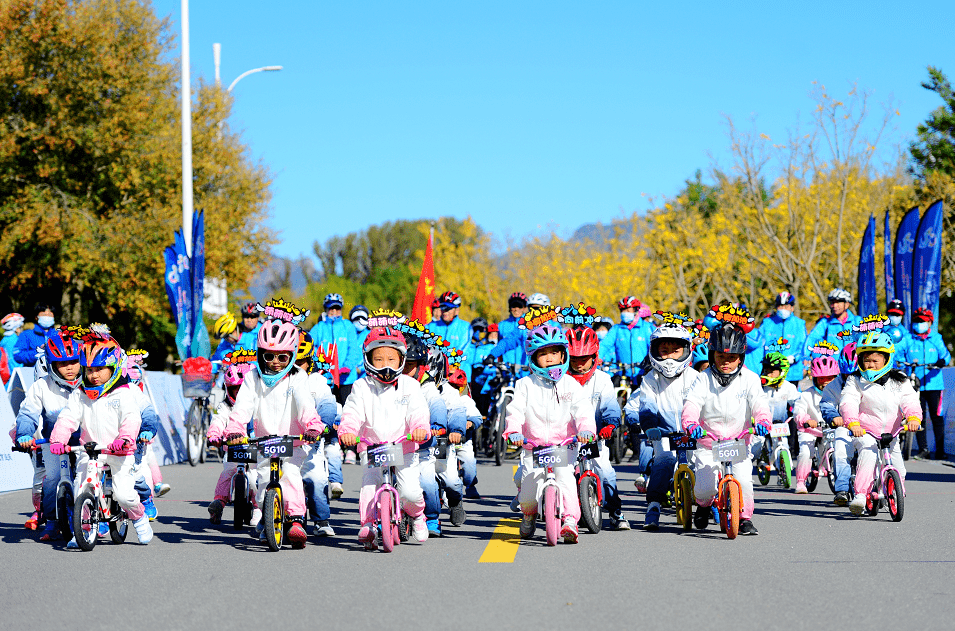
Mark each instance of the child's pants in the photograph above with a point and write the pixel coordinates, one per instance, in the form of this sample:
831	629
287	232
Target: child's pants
409	487
292	490
707	476
39	474
867	447
842	452
608	479
465	455
533	479
661	472
124	482
807	449
333	455
224	484
51	479
315	479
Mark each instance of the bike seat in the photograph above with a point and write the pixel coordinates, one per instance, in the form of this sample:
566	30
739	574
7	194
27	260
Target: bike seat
654	433
886	440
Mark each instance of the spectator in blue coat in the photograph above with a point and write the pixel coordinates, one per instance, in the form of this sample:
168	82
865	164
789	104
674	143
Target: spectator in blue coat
783	324
25	352
249	327
602	327
630	339
840	318
12	325
511	347
332	329
453	329
927	349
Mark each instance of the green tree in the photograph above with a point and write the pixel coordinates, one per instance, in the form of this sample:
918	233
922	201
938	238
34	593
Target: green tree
934	149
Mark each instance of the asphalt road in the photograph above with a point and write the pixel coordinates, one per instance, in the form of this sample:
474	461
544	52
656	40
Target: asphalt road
812	564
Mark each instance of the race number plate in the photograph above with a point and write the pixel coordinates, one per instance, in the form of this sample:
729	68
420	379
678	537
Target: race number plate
243	453
441	447
589	450
276	447
730	451
549	456
829	435
779	430
385	455
683	443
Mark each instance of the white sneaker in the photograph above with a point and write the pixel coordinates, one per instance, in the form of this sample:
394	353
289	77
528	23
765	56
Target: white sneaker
143	530
641	484
350	457
256	517
857	505
337	490
323	529
420	528
161	489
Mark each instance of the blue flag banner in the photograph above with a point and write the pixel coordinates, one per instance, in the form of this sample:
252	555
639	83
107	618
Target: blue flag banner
179	290
868	303
887	242
927	261
904	249
200	336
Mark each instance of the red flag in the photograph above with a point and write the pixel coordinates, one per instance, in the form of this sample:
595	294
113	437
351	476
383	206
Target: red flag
421	311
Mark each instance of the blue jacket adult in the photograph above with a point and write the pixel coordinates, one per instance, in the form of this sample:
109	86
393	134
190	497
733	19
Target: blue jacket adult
458	334
901	339
828	328
225	347
754	351
342	333
29	340
360	336
630	344
792	329
250	339
514	354
928	350
8	343
605	353
511	347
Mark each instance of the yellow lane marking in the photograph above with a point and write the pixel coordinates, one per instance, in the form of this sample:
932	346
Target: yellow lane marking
502	548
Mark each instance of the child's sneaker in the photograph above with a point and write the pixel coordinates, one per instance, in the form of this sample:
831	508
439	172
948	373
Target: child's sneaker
297	535
652	520
619	522
323	529
256	518
72	545
32	522
420	530
569	531
471	493
150	509
144	532
458	515
161	489
857	505
215	511
434	528
801	488
103	529
350	457
528	525
337	490
50	532
515	504
366	535
746	527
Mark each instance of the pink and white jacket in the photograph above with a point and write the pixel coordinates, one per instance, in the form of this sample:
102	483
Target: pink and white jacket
285	409
810	401
725	412
377	413
546	413
115	415
879	408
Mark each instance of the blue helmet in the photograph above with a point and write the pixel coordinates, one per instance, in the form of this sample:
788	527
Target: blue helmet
701	353
62	349
876	342
848	362
544	336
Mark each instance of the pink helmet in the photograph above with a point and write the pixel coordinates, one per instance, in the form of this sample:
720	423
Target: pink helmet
385	337
235	373
824	367
276	335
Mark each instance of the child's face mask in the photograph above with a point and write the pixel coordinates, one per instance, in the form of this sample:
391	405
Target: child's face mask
601	334
920	327
895	320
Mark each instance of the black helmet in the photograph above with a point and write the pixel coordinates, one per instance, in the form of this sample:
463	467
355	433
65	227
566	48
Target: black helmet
417	350
479	325
726	337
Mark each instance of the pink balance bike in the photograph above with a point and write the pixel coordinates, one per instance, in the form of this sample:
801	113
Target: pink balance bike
549	457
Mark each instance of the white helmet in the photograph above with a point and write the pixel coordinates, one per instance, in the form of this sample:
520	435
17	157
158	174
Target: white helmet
839	295
670	368
538	299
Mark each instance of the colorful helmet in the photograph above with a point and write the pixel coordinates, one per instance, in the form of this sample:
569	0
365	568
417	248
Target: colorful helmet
875	342
62	349
772	362
517	300
385	337
417	350
848	361
785	298
276	336
102	351
541	337
824	366
670	368
225	325
12	321
435	304
726	337
306	349
701	353
234	375
923	315
449	300
895	307
333	301
135	363
541	300
438	365
250	310
839	295
644	311
628	301
583	342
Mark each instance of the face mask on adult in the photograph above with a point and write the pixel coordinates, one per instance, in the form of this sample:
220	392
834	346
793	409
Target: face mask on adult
626	317
45	321
334	318
783	313
601	334
360	324
920	327
895	320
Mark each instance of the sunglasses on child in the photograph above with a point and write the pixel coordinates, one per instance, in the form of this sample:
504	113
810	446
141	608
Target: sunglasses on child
279	357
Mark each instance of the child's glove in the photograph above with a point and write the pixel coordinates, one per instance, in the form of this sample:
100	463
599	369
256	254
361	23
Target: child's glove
234	439
58	449
516	439
695	431
146	436
312	435
586	437
26	442
118	445
762	429
606	432
214	435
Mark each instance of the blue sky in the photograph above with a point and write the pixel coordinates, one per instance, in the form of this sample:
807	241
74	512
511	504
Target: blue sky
529	114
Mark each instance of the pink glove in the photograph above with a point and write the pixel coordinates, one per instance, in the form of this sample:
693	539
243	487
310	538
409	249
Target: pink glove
119	445
214	435
58	449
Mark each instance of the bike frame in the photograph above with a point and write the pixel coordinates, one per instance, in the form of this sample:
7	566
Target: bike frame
883	464
388	476
587	471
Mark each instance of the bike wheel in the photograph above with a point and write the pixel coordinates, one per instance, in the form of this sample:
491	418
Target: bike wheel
590	511
118	529
240	497
384	518
193	429
831	471
274	517
85	521
203	428
64	514
871	504
500	444
813	479
619	449
894	497
785	469
684	502
762	469
551	520
734	504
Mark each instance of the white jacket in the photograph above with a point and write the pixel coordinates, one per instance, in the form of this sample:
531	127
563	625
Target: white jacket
879	408
41	406
377	413
809	405
725	412
779	398
603	396
547	413
115	415
660	399
285	409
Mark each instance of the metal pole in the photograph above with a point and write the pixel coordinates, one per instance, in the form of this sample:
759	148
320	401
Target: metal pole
217	55
186	134
253	71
